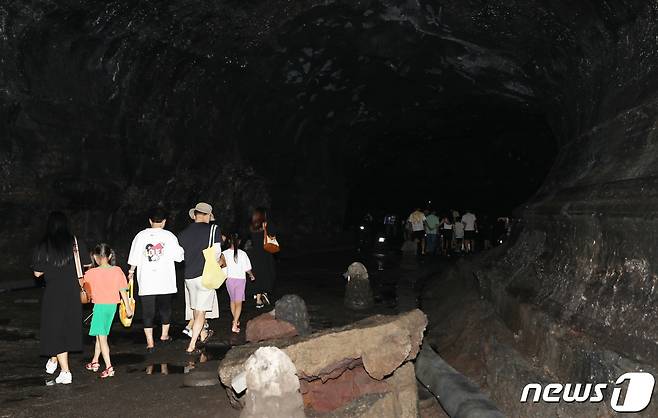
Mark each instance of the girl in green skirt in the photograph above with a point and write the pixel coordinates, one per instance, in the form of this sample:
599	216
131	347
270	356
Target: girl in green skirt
106	283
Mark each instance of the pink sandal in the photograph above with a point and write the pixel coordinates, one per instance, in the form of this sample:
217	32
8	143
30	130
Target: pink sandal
109	372
235	329
93	366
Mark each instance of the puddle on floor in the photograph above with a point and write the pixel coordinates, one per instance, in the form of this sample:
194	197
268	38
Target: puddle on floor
216	351
127	358
160	369
211	352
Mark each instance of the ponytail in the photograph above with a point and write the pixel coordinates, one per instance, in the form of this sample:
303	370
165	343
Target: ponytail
105	251
235	243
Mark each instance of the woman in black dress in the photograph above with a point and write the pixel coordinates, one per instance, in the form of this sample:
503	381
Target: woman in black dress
262	262
61	311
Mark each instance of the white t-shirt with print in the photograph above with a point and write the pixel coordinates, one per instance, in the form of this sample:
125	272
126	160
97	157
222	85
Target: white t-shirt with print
154	251
469	221
237	270
417	220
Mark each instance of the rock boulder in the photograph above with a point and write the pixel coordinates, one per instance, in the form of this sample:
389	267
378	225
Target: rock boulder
339	366
266	327
292	309
272	386
358	294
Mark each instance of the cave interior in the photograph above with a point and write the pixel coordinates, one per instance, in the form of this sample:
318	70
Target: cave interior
323	110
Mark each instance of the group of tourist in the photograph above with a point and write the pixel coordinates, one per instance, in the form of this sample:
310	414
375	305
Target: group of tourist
61	257
444	234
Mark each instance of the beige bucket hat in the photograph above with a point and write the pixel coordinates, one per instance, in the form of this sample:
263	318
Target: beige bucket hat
203	208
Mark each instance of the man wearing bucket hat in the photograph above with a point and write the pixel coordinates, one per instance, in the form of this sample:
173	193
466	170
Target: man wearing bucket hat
194	239
189	314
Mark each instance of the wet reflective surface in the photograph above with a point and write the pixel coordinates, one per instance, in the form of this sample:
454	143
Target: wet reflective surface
149	383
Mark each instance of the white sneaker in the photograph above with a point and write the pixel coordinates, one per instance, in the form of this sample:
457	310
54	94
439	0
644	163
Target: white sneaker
188	331
51	366
64	378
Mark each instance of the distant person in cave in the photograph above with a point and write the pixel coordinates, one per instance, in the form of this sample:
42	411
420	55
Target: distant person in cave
61	311
194	239
432	223
470	231
391	226
445	227
454	215
153	253
262	262
500	230
458	232
417	224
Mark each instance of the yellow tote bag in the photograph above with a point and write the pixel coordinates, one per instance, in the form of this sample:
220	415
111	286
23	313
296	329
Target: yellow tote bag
213	276
122	308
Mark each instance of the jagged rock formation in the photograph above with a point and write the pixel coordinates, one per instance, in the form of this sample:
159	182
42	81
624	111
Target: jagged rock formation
364	366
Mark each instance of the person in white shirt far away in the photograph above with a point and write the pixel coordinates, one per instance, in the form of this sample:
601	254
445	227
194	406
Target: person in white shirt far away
417	221
470	230
153	253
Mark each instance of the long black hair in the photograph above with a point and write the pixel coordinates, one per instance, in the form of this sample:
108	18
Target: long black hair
57	244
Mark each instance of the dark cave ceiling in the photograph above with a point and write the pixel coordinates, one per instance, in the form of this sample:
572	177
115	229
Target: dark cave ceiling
316	109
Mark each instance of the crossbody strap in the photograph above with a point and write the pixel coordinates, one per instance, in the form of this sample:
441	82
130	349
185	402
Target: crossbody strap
211	239
264	233
76	257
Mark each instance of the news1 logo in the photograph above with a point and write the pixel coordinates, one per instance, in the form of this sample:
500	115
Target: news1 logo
638	392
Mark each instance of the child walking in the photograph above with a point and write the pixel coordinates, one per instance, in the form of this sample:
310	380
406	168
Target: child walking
238	266
106	282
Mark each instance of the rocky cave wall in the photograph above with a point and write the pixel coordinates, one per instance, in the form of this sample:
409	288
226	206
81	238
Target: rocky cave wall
586	254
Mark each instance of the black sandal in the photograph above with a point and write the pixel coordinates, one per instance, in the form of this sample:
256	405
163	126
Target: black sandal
209	334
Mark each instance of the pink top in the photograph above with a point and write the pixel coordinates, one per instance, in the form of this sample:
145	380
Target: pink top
105	284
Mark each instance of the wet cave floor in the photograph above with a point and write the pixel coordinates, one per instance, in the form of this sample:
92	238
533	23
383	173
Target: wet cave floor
162	383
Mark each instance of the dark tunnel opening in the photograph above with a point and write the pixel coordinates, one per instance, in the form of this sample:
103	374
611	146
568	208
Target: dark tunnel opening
485	157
